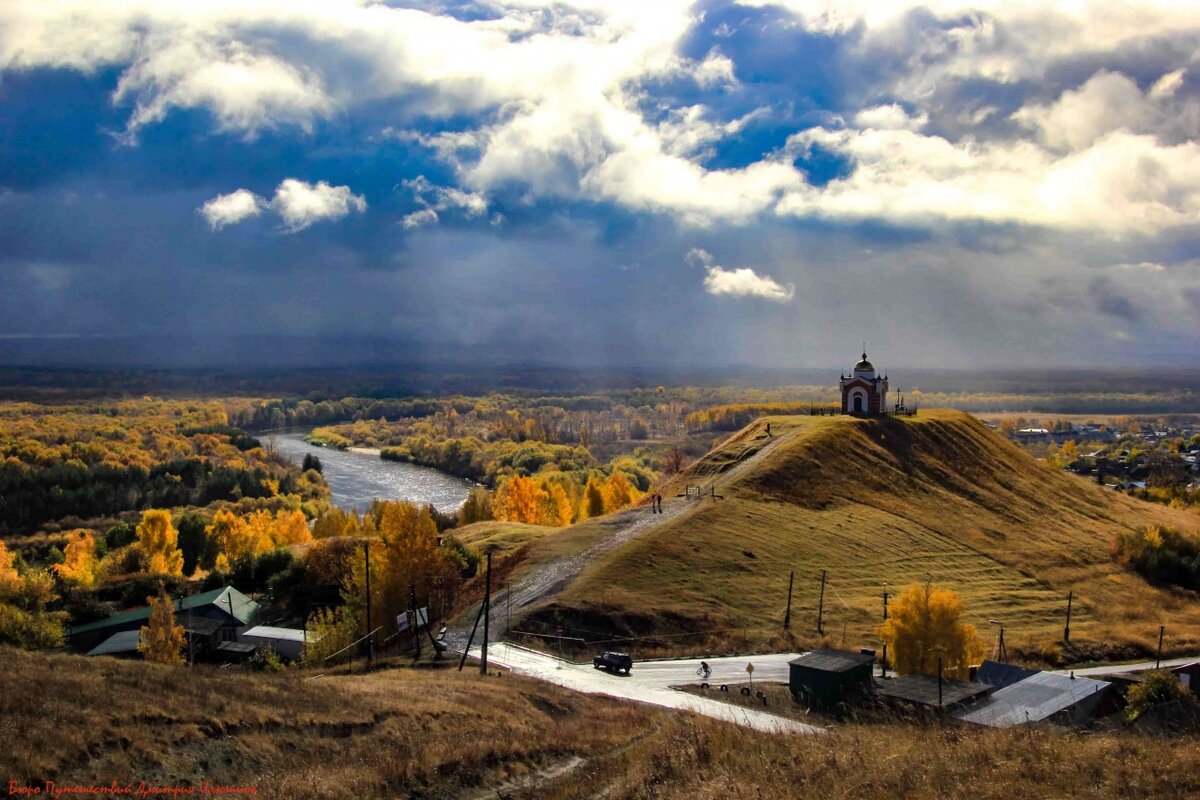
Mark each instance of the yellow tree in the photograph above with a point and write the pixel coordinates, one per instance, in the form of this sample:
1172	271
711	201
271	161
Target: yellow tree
80	565
593	497
260	532
924	625
161	639
557	506
290	528
158	541
617	491
232	538
520	500
10	581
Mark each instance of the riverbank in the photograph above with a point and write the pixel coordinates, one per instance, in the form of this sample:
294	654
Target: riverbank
357	475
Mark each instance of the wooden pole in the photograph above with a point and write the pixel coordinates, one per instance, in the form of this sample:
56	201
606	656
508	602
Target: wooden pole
487	601
416	621
471	639
821	606
939	683
1067	629
370	630
883	671
1158	660
787	617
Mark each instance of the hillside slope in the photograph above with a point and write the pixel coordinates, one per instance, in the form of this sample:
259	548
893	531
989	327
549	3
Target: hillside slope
455	736
880	503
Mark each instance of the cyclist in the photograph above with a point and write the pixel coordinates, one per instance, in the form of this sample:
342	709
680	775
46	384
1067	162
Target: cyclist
704	670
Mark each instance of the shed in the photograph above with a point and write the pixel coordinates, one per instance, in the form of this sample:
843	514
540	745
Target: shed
828	675
923	690
287	642
1189	676
1043	696
229	607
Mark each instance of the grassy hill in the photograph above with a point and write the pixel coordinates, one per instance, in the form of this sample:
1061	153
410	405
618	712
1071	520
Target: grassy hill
881	503
419	733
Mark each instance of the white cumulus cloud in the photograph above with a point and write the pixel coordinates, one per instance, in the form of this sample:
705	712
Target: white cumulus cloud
301	204
740	282
229	209
434	198
297	203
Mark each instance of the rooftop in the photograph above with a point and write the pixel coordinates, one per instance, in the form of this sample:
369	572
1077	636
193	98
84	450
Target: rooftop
1033	699
123	642
998	674
269	632
829	660
923	690
243	609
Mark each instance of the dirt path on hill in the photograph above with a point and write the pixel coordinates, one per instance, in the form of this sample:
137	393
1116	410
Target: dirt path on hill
510	603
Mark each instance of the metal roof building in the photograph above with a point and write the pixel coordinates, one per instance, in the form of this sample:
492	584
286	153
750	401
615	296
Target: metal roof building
827	675
227	606
1039	697
923	690
287	642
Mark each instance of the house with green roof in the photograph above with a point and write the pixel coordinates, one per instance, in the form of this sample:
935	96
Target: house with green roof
221	612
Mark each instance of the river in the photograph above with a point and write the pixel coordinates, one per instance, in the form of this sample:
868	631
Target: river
355	479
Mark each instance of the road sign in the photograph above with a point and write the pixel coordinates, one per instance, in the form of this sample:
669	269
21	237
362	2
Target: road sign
750	668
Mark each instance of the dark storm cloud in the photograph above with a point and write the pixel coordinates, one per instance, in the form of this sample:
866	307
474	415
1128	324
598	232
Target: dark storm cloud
512	209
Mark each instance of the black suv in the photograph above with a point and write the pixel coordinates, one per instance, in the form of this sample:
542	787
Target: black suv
613	662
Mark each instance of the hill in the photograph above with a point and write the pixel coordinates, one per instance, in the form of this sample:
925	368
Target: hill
879	503
421	733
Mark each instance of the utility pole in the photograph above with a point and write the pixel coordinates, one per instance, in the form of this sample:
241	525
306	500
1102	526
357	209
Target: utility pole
787	617
370	630
1067	630
1001	650
416	621
487	604
821	606
1158	660
939	683
229	597
883	672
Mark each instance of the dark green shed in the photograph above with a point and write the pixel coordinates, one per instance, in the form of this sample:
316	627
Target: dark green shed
827	676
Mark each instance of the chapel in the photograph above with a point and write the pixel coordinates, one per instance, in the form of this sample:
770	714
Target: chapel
863	391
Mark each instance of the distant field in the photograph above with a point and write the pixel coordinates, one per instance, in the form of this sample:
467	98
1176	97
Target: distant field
879	504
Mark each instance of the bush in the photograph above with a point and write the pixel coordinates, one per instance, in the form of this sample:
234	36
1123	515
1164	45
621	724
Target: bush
1161	555
30	630
267	660
1156	689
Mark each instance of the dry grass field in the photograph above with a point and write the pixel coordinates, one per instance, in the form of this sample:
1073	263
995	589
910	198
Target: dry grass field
879	503
426	734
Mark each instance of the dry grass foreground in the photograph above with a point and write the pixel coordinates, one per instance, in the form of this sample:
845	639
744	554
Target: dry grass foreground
884	502
420	734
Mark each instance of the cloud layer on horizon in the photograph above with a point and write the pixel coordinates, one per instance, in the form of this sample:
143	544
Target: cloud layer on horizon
984	172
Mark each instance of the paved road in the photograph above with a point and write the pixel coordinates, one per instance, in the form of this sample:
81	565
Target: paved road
651	681
1126	669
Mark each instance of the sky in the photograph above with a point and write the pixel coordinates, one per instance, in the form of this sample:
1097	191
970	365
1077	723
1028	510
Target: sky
957	184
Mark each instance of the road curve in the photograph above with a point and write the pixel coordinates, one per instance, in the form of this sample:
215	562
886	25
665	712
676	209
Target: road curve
652	681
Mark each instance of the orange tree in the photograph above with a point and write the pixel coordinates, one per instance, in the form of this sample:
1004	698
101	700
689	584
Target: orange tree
925	624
